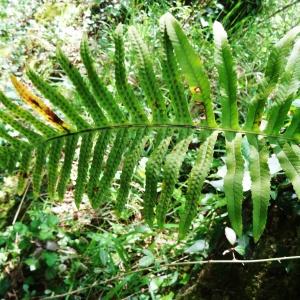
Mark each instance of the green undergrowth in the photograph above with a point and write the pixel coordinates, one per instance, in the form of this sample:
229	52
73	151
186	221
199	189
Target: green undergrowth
53	248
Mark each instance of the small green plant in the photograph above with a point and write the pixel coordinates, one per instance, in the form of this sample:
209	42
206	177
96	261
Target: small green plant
117	128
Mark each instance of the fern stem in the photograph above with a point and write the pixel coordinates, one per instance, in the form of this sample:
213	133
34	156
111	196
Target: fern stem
172	125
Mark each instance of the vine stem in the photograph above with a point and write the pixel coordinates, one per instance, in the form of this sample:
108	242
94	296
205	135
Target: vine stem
175	264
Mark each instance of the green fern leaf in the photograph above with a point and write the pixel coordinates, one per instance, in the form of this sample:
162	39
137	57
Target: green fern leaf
69	152
233	181
120	127
134	153
83	166
227	78
102	94
57	99
96	166
195	183
260	184
147	77
23	170
113	161
153	170
170	175
38	174
171	75
53	163
191	65
127	96
86	97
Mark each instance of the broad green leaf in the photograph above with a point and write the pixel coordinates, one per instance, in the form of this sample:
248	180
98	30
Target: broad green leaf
260	184
289	158
191	65
233	181
227	78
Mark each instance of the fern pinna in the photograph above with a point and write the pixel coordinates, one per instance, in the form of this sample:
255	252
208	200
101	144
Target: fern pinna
120	127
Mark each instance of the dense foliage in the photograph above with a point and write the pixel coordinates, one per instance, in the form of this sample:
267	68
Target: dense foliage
162	127
131	126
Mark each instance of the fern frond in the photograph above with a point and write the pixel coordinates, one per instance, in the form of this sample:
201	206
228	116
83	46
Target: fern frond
147	77
195	182
82	89
57	99
97	162
134	107
170	174
115	130
38	171
260	184
83	166
171	75
153	168
69	152
191	66
53	163
112	163
102	94
26	116
131	160
227	78
24	170
233	180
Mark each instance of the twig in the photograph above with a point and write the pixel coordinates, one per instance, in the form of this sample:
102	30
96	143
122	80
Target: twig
234	261
21	203
278	11
176	264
